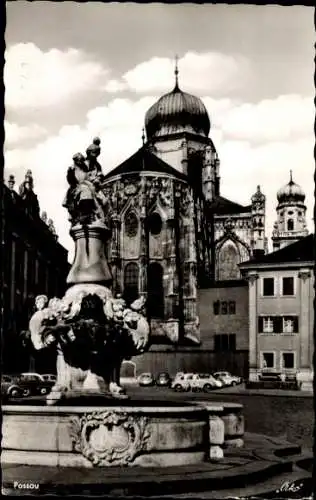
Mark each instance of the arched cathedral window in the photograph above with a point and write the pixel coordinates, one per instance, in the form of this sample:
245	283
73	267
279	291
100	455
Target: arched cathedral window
228	260
131	224
131	274
155	224
155	290
290	225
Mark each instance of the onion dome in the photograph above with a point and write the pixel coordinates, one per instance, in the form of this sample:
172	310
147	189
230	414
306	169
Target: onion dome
291	193
175	112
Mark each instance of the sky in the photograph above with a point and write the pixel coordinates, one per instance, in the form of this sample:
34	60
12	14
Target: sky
77	70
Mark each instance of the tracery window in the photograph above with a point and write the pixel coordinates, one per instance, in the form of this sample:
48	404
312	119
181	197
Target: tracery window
131	224
131	290
155	224
228	260
155	302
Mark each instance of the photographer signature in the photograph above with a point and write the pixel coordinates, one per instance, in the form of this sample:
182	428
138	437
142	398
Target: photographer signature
290	487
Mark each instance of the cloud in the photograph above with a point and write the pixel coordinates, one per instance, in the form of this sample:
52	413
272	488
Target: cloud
244	166
244	162
15	133
34	78
210	71
286	117
119	125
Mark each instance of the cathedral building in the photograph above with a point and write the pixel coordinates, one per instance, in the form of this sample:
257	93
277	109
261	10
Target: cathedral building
172	233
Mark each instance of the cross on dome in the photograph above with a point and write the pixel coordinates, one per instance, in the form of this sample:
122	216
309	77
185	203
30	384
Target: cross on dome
176	71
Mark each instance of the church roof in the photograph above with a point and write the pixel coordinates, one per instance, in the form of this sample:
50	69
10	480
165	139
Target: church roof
144	161
300	251
223	206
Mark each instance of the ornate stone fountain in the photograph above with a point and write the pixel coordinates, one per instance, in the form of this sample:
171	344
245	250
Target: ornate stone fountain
87	420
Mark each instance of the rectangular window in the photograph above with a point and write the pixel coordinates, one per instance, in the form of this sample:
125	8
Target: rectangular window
288	286
232	342
267	360
290	324
224	342
224	307
232	307
288	360
268	324
216	306
268	287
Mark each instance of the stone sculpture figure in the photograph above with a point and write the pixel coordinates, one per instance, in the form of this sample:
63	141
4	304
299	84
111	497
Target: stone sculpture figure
29	198
91	330
82	201
92	152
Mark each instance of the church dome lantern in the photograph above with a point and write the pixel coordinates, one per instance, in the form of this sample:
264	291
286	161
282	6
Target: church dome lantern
291	193
175	112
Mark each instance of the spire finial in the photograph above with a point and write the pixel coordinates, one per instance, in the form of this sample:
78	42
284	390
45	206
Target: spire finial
176	70
291	179
143	136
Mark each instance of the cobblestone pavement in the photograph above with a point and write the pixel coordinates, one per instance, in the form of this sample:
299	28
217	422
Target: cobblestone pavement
289	417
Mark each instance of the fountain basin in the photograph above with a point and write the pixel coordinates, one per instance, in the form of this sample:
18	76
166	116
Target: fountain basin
115	433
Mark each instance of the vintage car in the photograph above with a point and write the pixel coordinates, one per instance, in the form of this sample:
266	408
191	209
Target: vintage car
227	378
10	387
33	384
205	382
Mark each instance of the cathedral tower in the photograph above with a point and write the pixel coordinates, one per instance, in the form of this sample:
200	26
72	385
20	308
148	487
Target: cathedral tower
258	204
177	129
290	225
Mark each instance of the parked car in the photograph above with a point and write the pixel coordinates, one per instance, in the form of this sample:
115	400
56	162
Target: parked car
182	382
33	383
49	377
227	378
163	379
205	382
10	387
146	380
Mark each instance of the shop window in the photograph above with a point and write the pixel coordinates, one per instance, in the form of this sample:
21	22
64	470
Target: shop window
267	360
288	286
288	360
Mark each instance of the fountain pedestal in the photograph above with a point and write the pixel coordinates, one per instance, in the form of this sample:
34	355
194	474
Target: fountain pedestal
137	433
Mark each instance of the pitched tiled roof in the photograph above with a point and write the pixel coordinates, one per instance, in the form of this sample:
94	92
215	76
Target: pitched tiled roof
300	251
223	206
144	161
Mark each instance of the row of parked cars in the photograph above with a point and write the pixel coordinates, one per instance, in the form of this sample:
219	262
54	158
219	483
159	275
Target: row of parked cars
26	384
190	381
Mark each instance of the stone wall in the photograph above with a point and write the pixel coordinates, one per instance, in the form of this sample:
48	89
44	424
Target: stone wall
212	324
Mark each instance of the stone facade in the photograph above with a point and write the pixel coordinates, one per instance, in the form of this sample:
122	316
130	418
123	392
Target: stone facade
281	294
34	262
223	310
157	247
